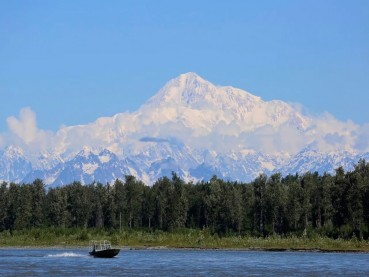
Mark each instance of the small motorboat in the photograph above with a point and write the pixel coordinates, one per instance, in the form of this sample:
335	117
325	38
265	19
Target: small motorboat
102	249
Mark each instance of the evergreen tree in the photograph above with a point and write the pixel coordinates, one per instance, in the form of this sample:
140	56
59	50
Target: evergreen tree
79	204
148	206
179	203
3	205
118	204
38	203
294	210
355	202
162	191
326	208
213	199
23	207
133	191
339	200
56	208
276	200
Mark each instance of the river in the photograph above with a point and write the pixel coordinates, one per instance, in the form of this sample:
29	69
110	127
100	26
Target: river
77	262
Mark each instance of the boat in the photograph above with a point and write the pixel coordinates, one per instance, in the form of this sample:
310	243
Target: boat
102	249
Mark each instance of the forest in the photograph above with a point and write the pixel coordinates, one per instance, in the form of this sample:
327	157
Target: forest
335	206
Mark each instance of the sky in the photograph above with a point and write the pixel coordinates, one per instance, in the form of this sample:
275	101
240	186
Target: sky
71	62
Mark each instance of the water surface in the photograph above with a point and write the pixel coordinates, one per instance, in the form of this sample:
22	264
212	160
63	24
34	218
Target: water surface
77	262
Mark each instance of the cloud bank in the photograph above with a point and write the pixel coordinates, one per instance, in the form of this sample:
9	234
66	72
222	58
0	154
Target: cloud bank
119	133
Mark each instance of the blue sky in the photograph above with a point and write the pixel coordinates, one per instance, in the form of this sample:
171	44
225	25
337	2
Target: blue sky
74	61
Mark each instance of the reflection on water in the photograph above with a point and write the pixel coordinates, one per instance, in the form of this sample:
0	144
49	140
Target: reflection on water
77	262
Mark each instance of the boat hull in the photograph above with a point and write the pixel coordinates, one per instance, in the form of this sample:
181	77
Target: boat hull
107	253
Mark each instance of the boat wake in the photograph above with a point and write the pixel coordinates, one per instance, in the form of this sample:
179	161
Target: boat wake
65	254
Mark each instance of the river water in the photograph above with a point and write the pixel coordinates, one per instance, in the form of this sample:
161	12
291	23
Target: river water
77	262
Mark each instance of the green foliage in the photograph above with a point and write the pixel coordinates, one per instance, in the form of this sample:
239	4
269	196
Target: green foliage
181	238
306	206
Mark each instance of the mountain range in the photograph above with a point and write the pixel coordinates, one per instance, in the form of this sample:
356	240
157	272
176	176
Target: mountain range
191	127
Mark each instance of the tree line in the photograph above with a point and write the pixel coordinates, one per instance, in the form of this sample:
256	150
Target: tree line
331	205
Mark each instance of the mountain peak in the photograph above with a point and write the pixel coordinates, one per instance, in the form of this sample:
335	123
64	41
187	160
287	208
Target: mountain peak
189	81
14	151
201	106
190	77
85	152
183	90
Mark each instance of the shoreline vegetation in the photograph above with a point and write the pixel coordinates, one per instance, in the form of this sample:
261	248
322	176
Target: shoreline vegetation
181	239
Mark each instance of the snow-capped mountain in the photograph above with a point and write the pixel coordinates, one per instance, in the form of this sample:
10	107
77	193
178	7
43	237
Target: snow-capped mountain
13	164
86	167
314	161
201	108
192	127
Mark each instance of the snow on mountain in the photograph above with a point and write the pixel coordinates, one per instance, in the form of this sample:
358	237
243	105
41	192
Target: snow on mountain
86	167
200	106
235	166
192	127
45	160
13	165
311	160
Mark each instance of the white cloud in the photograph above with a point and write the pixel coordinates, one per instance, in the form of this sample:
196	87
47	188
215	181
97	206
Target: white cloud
271	140
331	134
124	131
24	127
362	138
24	132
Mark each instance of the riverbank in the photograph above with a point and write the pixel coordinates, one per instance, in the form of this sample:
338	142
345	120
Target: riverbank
184	239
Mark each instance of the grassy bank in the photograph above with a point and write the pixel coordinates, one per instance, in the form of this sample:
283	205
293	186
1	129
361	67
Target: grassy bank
53	237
